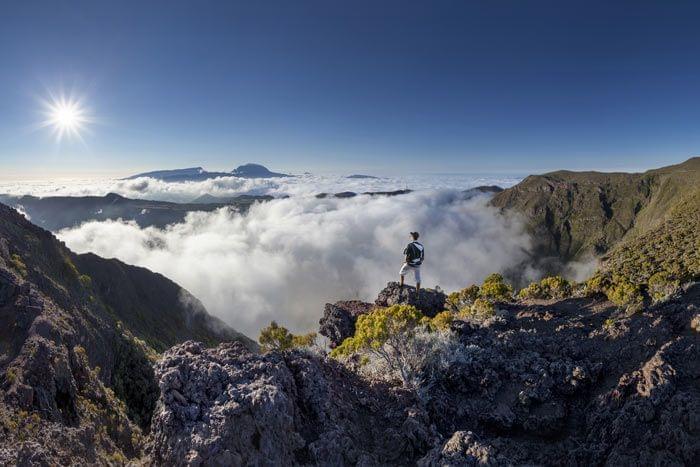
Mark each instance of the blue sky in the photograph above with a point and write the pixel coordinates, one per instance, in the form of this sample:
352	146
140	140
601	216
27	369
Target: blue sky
507	86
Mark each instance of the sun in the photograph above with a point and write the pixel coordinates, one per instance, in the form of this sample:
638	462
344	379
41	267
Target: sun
66	116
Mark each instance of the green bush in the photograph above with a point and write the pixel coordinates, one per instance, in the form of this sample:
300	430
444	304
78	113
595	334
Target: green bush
18	264
481	310
441	321
534	290
276	337
623	292
465	297
494	288
597	284
85	280
387	333
547	288
661	285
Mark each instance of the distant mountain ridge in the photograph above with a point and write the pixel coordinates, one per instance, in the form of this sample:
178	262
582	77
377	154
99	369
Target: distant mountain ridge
59	212
575	215
198	173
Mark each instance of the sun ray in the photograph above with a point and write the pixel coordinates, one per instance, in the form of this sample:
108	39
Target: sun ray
66	116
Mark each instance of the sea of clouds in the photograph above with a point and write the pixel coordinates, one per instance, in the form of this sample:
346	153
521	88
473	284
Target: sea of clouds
301	185
284	259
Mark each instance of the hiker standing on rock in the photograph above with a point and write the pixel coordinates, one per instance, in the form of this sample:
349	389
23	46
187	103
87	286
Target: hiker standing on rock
414	253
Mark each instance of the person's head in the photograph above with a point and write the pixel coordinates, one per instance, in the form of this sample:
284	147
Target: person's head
414	236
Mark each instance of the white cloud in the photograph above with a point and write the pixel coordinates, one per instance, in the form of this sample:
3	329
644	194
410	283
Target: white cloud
286	258
303	185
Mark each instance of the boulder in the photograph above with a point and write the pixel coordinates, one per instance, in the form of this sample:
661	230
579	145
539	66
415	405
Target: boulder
339	318
228	406
428	301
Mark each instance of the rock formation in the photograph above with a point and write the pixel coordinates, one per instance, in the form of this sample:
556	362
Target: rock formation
574	381
227	406
429	301
338	321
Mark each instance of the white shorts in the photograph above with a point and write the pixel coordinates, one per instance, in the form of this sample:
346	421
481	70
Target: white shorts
416	271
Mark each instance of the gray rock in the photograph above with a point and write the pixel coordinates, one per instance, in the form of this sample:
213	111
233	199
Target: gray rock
227	406
339	318
429	301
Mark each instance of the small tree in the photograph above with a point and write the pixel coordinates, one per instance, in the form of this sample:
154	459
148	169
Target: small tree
441	321
547	288
386	333
623	292
495	288
276	337
481	310
556	287
456	301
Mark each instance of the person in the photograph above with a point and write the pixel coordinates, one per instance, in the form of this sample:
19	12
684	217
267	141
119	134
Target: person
414	254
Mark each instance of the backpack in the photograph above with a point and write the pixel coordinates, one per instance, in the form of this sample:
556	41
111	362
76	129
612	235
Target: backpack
415	253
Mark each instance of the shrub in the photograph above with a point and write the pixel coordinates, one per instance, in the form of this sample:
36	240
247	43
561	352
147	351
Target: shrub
556	287
427	356
623	292
481	310
441	321
534	290
386	334
465	297
494	288
276	337
547	288
596	284
11	375
662	284
69	268
18	264
85	280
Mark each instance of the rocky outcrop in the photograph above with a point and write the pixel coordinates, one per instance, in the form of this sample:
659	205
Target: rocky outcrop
227	406
573	382
428	301
463	448
77	387
54	404
339	318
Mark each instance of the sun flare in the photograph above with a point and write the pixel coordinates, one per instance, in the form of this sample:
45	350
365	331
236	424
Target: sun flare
66	116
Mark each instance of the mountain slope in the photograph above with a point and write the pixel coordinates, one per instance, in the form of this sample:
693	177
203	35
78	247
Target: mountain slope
78	336
148	303
573	215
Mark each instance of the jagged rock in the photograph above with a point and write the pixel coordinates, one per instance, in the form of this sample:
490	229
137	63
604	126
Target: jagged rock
338	321
429	301
227	406
695	323
463	449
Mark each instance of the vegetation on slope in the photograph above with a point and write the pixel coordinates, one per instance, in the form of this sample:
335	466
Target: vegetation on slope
573	215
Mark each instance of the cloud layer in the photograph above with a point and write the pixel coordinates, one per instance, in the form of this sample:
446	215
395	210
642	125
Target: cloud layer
303	185
286	258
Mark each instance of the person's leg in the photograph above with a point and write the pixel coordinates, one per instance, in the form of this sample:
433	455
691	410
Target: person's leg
402	273
417	274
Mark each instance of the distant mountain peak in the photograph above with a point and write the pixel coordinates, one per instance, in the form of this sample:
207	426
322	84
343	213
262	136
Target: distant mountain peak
251	170
191	174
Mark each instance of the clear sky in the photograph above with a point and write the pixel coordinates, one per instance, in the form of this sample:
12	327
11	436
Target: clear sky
435	86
